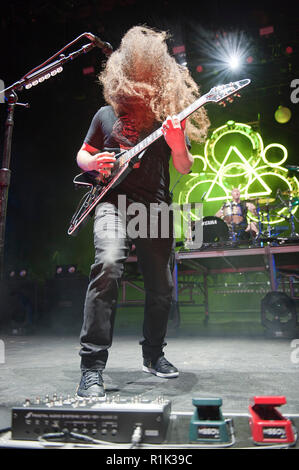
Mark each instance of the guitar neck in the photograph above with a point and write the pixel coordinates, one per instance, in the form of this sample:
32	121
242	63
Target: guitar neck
158	133
192	108
144	144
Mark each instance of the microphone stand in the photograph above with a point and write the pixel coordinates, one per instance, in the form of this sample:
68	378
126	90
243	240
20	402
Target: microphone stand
38	75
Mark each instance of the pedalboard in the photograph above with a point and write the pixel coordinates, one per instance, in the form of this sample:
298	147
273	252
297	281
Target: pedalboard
113	420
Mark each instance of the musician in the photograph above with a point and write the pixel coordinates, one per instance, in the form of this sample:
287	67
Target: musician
143	87
235	215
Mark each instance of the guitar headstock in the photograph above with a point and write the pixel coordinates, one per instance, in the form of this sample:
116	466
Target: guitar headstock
221	92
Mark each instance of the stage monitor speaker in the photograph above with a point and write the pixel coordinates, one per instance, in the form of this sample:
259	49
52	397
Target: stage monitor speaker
278	315
19	305
64	302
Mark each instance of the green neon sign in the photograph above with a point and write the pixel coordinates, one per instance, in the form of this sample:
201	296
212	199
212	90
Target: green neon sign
235	156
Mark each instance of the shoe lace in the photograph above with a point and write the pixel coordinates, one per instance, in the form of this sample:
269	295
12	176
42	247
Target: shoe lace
164	362
93	377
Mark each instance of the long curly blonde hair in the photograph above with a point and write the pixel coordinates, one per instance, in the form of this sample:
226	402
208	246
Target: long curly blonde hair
142	75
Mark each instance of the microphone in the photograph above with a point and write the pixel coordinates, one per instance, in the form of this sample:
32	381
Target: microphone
107	48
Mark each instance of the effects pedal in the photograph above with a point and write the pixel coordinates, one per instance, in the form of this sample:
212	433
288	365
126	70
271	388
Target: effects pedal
113	420
207	424
267	424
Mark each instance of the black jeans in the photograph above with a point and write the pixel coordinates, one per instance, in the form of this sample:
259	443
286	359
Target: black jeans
112	246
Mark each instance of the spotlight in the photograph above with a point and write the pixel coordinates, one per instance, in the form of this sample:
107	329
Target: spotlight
234	62
23	273
222	53
199	68
289	50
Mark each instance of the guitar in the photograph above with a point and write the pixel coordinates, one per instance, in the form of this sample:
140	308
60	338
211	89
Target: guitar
126	159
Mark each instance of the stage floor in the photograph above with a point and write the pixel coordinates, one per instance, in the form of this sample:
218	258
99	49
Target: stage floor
234	368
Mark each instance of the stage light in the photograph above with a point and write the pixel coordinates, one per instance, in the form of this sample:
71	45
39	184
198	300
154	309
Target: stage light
43	77
234	62
222	53
249	60
71	269
289	50
266	31
88	70
65	270
199	68
18	273
23	273
282	114
59	270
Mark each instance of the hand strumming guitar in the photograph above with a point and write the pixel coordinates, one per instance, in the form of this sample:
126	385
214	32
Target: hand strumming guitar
90	159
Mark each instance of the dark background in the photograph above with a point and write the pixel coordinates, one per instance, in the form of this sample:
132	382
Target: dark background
47	136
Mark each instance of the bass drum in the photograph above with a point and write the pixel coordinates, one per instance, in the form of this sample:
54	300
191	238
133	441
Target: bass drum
214	230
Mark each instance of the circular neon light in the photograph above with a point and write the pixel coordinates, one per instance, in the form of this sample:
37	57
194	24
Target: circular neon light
250	171
284	151
231	128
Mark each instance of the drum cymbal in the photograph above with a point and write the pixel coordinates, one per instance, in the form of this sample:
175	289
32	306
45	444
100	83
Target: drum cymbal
266	200
290	193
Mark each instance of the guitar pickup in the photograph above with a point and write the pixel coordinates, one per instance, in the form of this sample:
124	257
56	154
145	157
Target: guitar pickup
136	158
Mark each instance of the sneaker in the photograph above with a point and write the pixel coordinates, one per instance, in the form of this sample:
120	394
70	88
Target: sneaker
91	385
161	368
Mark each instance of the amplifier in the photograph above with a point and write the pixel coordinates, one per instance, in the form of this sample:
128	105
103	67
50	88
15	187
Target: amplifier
114	420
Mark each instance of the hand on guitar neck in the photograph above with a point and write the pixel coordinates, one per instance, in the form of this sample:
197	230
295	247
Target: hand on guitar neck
173	131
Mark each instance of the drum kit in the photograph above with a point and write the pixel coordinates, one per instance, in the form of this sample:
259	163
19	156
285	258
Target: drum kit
281	207
230	230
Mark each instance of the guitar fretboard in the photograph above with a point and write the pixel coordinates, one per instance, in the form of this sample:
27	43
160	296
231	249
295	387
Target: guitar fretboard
215	94
158	133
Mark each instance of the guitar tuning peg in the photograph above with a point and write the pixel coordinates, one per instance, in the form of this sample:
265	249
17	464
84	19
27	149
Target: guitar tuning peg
229	99
222	103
